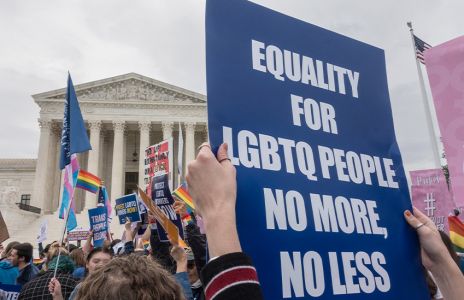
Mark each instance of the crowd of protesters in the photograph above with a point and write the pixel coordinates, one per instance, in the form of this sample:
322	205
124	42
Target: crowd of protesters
213	265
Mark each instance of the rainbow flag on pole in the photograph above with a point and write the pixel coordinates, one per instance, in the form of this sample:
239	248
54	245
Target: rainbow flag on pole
182	194
88	181
456	229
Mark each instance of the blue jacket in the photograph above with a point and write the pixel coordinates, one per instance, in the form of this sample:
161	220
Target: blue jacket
8	273
27	274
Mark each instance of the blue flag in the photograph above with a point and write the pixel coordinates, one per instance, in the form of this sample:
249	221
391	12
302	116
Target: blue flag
74	138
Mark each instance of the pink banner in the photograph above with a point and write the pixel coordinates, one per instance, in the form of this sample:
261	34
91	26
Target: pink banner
431	196
445	68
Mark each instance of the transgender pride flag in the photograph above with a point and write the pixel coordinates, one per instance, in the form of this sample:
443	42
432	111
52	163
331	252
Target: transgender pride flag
74	139
69	184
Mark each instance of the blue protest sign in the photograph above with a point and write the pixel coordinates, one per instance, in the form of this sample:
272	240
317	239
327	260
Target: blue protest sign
321	185
99	224
161	195
9	291
127	207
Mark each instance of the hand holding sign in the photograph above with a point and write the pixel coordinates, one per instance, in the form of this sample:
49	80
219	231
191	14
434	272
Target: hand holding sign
213	188
435	256
432	247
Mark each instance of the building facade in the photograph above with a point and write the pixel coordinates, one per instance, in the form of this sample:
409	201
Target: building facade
124	115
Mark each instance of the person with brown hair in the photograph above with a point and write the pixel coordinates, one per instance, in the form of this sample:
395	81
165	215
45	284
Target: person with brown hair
21	257
38	287
77	255
130	277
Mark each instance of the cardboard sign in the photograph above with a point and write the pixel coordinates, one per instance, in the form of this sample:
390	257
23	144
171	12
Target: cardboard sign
4	235
158	159
162	219
321	188
127	207
77	235
99	224
163	199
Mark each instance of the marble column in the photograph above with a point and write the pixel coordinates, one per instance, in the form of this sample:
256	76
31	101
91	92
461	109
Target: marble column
167	130
189	142
41	171
54	169
144	128
93	161
206	138
117	188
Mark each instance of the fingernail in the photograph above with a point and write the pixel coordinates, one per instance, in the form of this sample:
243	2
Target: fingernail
226	146
407	213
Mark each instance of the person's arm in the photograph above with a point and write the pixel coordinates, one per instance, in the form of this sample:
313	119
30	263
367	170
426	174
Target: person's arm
129	236
88	243
193	237
161	251
213	186
435	256
145	237
197	242
178	254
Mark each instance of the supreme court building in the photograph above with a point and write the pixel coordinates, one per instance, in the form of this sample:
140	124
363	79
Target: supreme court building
124	115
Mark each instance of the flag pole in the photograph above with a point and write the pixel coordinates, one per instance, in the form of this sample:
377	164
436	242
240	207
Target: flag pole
64	232
426	104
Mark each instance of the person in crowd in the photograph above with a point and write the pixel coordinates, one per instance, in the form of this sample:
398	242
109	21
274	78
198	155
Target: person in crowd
130	277
6	251
96	259
77	255
196	255
179	255
8	272
21	257
38	287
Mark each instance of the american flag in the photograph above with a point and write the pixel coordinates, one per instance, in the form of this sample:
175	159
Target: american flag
421	46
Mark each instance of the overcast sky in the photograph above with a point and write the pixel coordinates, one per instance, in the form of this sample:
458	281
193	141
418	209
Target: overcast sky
164	39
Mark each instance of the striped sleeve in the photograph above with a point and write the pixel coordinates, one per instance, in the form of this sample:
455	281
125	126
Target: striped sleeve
231	276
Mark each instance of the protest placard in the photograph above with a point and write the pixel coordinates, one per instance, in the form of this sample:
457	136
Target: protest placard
430	194
77	234
42	236
321	189
158	159
99	225
444	70
4	235
9	291
161	195
162	220
127	207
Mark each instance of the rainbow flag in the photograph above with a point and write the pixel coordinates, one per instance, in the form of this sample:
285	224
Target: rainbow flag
456	229
88	181
182	194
